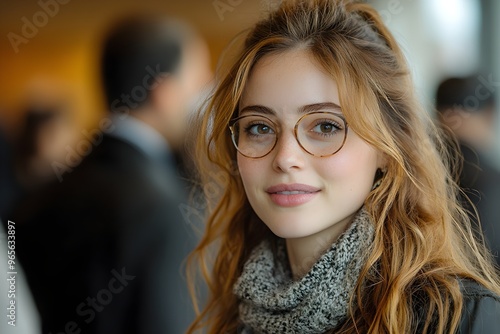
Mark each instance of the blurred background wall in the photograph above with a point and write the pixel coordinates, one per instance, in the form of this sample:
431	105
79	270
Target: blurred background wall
448	38
51	46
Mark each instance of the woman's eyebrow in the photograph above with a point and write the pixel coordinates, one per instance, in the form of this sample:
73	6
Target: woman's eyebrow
324	106
258	109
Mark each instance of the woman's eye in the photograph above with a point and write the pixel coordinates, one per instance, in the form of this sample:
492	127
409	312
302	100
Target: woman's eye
325	127
259	129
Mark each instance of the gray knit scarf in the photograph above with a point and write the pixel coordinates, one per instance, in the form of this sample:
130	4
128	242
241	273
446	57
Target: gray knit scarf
271	302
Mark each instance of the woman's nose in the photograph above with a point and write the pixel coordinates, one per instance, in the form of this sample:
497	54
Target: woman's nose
288	155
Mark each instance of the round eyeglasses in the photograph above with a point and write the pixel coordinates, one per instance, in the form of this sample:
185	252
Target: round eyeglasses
320	134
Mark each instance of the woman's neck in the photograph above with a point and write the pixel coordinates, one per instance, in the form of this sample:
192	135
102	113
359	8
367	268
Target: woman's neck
304	252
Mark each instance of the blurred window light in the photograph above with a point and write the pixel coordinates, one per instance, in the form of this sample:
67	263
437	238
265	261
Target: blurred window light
456	24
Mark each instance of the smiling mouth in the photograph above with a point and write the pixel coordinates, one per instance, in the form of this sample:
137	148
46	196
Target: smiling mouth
293	192
291	195
292	189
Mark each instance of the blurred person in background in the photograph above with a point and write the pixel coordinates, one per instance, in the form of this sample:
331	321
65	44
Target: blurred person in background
47	129
467	108
103	248
8	187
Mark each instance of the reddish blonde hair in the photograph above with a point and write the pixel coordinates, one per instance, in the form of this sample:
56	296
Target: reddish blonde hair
423	239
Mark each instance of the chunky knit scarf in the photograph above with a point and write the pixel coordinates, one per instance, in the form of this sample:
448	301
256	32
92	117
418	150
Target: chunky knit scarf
271	302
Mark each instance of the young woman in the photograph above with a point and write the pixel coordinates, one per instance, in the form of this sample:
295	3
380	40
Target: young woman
338	211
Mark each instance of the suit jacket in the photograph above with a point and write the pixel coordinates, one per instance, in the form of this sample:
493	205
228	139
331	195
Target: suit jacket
103	250
481	183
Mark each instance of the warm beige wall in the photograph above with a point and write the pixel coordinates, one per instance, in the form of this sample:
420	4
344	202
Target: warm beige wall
64	50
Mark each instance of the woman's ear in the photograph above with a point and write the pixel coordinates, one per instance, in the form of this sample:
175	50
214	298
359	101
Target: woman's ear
377	180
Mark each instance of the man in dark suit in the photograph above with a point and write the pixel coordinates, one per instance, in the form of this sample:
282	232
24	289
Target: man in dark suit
467	107
103	249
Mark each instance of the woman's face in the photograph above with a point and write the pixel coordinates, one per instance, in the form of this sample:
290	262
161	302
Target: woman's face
296	194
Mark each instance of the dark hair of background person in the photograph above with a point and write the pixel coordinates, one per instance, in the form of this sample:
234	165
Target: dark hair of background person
36	118
46	129
453	92
137	47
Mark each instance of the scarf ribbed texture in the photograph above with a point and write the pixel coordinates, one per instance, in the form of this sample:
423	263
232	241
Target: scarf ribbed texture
271	302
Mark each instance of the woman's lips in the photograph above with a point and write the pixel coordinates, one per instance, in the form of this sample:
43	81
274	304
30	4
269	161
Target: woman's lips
289	195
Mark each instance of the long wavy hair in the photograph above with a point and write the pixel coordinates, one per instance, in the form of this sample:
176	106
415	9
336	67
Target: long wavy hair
423	237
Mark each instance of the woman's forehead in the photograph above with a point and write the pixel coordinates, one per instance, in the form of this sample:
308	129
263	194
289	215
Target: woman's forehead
289	81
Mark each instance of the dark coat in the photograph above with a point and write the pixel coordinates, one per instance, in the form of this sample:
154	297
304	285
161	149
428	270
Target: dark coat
481	311
103	249
481	183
